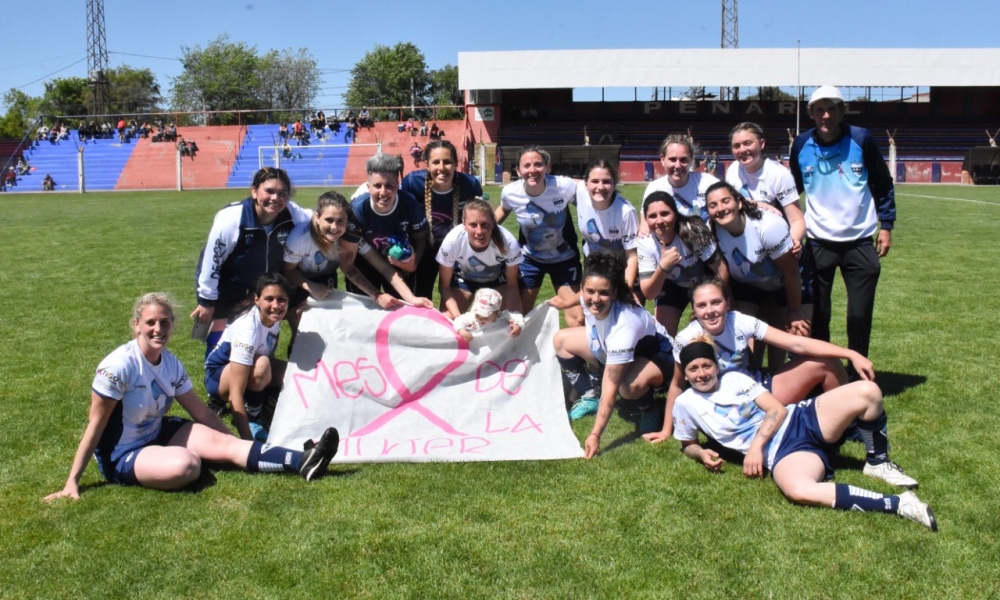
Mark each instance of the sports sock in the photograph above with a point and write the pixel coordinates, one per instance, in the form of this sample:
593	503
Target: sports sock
850	497
876	440
576	373
273	459
211	342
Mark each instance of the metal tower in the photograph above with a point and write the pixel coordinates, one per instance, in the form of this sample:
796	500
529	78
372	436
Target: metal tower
97	58
730	39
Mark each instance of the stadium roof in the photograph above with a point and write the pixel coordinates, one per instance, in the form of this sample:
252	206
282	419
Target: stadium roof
775	67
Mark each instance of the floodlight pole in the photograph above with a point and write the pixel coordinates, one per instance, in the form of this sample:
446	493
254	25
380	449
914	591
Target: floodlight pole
730	39
97	58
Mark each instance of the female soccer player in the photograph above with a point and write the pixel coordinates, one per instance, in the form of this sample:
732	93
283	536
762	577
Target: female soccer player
316	249
135	443
818	362
618	336
686	186
794	442
247	240
678	253
540	202
606	218
479	254
444	191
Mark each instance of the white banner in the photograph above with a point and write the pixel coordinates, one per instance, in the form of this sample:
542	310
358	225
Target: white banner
401	385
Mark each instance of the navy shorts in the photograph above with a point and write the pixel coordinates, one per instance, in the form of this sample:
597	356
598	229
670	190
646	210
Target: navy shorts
673	295
765	377
567	272
744	292
658	350
213	376
457	281
804	435
122	471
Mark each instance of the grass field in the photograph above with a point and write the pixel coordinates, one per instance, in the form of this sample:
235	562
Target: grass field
640	521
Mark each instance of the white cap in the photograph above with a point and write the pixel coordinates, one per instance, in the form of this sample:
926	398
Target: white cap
487	302
826	92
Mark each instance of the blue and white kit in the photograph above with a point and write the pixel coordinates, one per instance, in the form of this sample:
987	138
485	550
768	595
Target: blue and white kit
243	339
614	228
480	267
145	393
685	273
690	199
405	219
730	345
772	183
442	202
751	256
613	340
545	236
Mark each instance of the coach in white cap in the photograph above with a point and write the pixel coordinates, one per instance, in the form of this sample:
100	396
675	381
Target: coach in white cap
849	197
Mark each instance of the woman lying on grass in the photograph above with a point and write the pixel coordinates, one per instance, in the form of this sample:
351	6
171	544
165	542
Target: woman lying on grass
793	442
133	440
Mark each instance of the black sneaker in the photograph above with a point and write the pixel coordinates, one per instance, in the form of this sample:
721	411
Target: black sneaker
317	455
218	406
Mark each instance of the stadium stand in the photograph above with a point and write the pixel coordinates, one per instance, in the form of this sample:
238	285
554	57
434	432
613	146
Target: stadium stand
104	160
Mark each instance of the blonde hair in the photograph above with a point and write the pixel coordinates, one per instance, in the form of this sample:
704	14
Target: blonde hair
151	298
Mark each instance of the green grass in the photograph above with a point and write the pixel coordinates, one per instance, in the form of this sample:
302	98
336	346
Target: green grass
639	521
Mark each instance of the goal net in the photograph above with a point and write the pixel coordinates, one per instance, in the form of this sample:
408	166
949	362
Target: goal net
320	165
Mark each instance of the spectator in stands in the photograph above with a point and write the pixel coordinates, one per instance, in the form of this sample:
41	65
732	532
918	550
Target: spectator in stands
416	151
688	187
247	240
23	168
443	192
42	133
334	125
10	178
48	184
299	132
364	118
105	130
423	127
283	132
389	219
351	135
121	130
144	129
171	135
849	196
54	134
435	132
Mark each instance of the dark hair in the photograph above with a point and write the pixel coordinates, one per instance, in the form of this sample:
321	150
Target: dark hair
600	163
610	265
749	209
268	279
747	126
326	200
704	281
268	173
483	206
692	230
456	199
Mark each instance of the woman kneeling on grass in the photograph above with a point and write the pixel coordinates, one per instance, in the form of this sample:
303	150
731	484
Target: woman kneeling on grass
793	442
135	443
620	336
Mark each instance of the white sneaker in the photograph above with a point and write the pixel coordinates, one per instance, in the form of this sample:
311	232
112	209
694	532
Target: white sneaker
890	473
910	507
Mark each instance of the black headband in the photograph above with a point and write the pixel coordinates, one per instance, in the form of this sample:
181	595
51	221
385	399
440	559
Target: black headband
697	350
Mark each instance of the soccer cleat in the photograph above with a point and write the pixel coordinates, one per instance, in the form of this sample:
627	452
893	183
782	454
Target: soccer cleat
912	508
317	455
218	406
586	405
890	473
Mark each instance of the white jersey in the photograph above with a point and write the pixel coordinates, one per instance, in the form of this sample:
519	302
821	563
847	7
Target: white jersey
729	415
685	273
772	183
690	199
615	227
300	249
543	218
612	340
244	339
472	265
730	345
145	391
751	256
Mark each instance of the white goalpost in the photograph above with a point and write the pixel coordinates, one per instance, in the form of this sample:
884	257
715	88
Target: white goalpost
322	165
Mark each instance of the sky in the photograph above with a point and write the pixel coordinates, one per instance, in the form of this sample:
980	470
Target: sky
151	33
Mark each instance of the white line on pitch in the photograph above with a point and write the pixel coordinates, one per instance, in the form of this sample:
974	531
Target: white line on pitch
948	198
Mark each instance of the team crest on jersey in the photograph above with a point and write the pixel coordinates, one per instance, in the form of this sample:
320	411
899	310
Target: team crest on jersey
558	201
807	172
613	231
248	238
282	236
856	168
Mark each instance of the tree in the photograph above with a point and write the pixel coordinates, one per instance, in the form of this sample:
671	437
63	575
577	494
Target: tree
773	94
288	80
66	96
22	110
133	90
222	76
386	76
444	91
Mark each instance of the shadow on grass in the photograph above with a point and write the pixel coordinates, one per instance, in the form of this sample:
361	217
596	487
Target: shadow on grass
897	383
